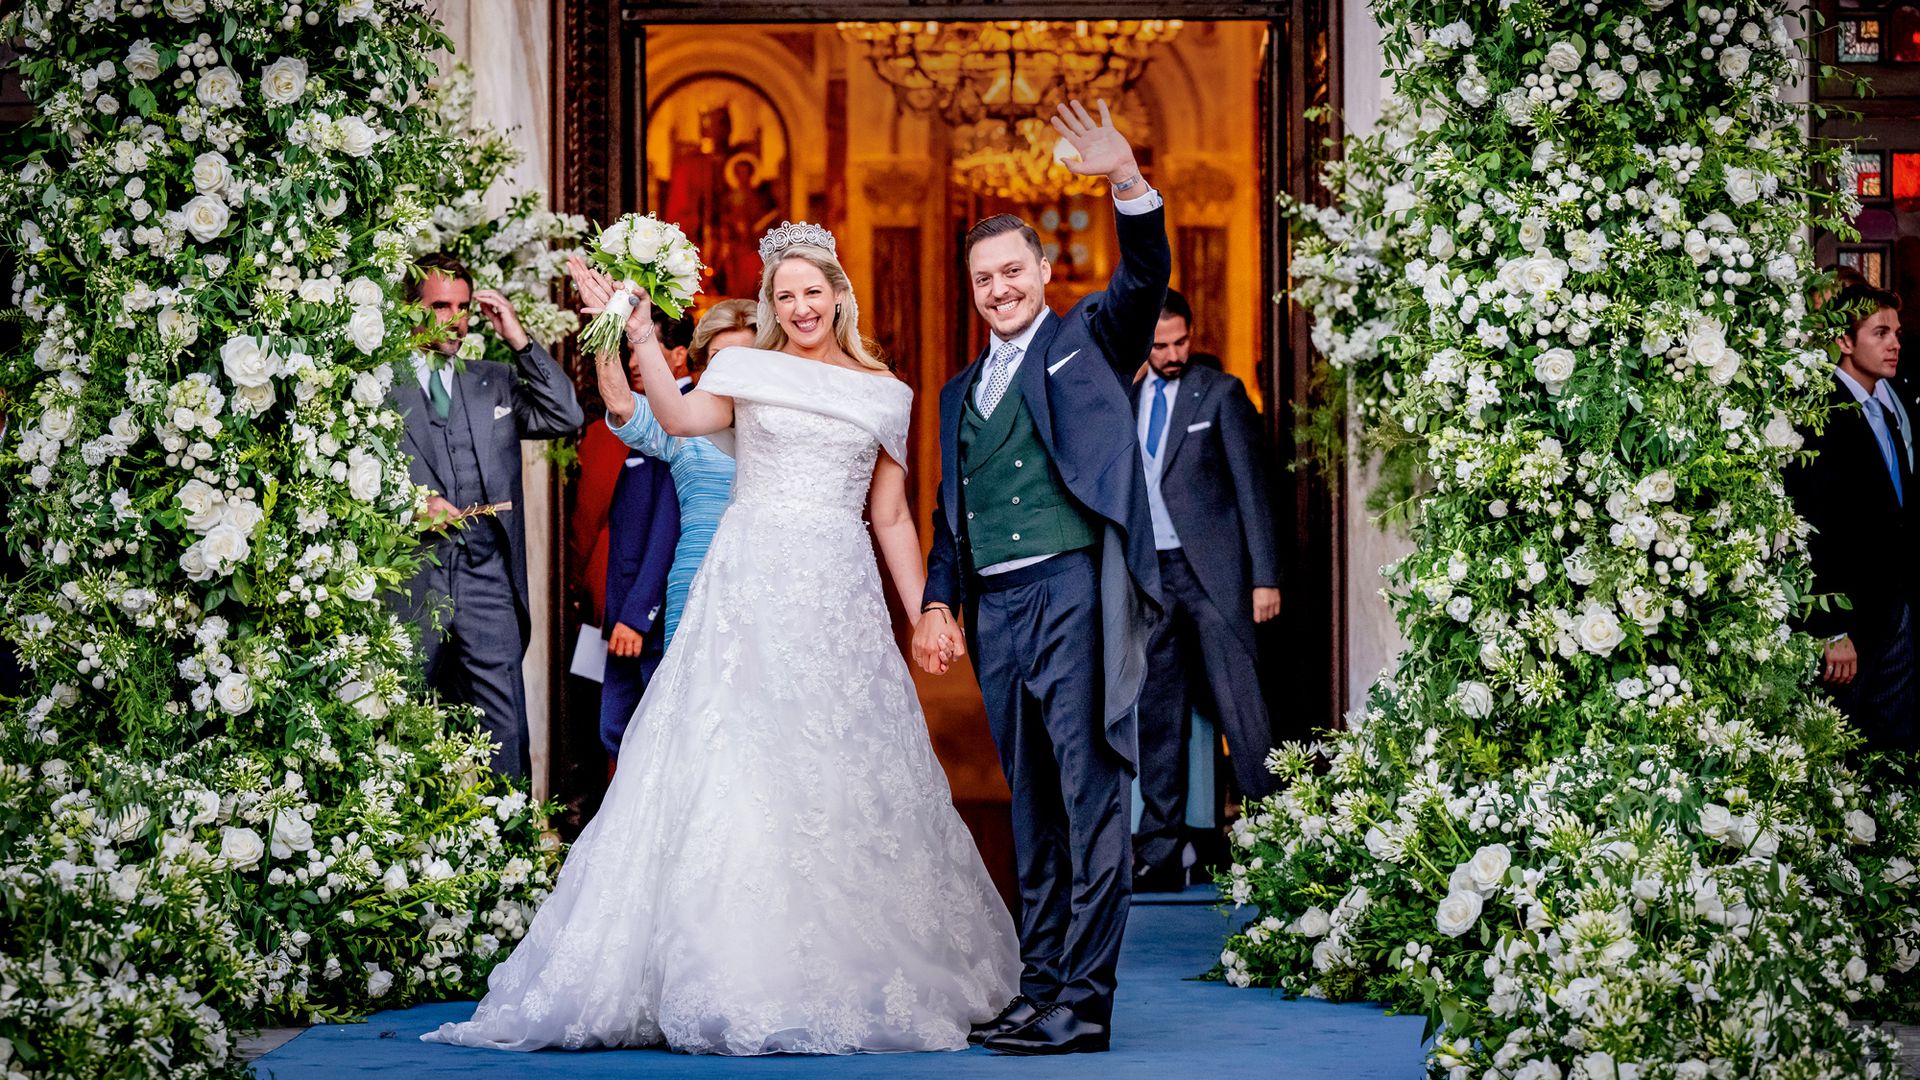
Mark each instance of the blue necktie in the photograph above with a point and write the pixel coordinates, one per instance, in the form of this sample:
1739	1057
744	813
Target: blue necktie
1157	417
1883	431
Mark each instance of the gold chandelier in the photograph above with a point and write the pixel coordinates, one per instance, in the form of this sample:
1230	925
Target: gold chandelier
1010	70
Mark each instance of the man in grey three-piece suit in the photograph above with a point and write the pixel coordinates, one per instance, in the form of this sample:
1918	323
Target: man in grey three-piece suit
1201	448
464	429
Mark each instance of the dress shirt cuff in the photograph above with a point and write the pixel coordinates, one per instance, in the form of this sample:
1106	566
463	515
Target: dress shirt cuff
1145	202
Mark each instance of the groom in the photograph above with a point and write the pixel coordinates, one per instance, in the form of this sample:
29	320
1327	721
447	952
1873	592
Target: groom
1042	536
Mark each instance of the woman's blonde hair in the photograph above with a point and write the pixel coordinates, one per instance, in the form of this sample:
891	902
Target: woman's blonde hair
846	319
736	314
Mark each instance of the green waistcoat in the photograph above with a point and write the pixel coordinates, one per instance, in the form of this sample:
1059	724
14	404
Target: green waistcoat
1012	499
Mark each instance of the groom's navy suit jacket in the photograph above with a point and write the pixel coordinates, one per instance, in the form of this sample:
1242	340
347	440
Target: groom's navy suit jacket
1075	377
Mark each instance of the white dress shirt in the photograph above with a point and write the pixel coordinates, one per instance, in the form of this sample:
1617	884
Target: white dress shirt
1164	536
1146	201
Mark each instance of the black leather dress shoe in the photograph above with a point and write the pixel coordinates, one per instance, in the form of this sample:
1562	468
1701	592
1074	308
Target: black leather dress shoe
1054	1029
1017	1013
1160	880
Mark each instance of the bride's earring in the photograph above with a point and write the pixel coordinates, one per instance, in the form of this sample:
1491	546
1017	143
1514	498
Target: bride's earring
836	314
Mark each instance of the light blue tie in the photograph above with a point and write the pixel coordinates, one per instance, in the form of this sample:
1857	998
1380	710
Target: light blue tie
1883	431
1157	417
997	377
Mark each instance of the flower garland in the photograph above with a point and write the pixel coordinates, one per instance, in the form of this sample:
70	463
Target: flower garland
228	800
1596	823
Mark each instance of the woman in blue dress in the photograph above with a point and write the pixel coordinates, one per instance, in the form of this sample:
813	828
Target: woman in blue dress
702	472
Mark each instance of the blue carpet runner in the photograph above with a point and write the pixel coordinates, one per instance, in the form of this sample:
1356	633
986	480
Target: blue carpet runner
1167	1026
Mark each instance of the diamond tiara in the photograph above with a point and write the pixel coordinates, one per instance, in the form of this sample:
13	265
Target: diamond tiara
790	233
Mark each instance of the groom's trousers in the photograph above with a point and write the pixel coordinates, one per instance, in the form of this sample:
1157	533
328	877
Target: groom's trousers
1036	648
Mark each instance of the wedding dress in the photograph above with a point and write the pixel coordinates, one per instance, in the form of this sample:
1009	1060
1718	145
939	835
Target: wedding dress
777	866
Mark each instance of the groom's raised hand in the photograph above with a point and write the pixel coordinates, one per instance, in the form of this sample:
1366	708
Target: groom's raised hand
1103	150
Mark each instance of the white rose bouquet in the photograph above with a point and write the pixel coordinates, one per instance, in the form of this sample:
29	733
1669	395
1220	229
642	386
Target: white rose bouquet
641	252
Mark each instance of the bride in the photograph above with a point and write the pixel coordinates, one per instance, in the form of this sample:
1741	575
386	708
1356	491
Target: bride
778	866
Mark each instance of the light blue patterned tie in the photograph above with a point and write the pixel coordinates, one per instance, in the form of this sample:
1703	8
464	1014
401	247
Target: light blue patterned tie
1884	433
998	376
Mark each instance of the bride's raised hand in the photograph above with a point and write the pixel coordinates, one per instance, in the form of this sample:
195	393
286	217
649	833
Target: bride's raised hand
596	288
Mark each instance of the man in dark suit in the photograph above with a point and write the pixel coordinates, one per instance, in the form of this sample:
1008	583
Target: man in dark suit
1857	495
1204	458
1041	536
464	428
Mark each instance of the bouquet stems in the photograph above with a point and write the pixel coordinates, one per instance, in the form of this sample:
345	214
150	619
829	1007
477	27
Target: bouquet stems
604	333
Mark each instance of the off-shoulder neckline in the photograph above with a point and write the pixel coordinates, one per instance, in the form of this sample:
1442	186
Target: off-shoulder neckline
887	376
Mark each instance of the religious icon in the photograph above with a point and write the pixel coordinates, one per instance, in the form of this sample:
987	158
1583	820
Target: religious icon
718	165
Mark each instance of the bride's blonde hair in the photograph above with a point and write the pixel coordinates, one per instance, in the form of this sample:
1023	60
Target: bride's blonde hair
846	318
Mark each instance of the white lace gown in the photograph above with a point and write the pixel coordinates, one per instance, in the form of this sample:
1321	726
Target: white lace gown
777	866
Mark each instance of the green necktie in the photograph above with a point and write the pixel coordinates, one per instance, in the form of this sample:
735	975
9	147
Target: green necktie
437	394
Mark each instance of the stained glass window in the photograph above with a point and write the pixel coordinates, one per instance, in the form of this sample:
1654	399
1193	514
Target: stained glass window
1871	262
1860	41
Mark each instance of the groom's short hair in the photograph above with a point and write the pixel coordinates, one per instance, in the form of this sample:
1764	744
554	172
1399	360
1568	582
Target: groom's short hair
444	263
1000	225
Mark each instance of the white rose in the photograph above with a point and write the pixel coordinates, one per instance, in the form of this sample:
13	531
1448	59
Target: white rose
206	217
291	833
363	291
1458	912
284	81
1780	433
224	548
1743	186
234	694
1475	699
366	328
1474	89
211	173
1656	487
1532	236
1313	922
1489	865
359	585
645	238
1598	630
203	505
241	847
1861	828
1541	275
682	262
1706	340
248	360
254	400
1554	367
243	514
1440	245
353	11
1734	60
363	475
352	136
178	326
143	61
57	424
1648	81
1716	821
218	88
194	562
395	879
1609	85
613	238
1783	269
1563	56
332	205
317	290
184	10
366	390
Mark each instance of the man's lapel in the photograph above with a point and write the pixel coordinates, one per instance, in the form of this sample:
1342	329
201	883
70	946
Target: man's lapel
472	403
1033	377
1183	401
418	439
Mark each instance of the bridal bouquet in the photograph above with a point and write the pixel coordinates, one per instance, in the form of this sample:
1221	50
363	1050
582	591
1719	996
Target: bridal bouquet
640	251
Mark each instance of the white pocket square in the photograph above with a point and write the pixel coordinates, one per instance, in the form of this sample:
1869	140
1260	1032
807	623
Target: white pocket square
1062	362
502	410
634	462
1201	426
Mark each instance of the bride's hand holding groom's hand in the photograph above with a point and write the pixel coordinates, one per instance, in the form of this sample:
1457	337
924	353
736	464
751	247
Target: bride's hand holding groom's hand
937	641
